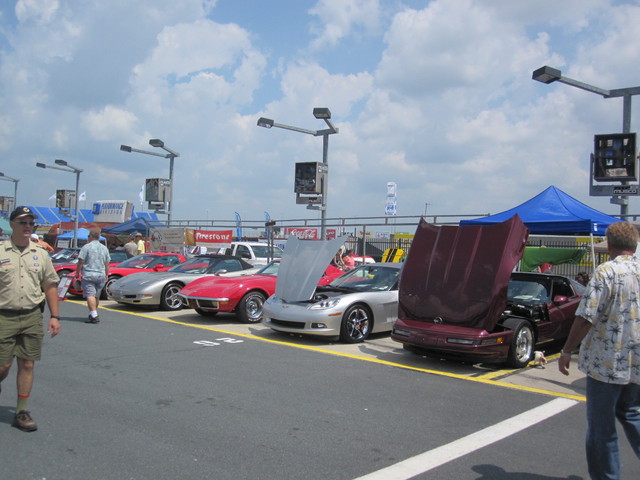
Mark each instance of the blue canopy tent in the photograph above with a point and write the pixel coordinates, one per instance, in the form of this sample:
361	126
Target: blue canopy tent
553	212
83	234
141	225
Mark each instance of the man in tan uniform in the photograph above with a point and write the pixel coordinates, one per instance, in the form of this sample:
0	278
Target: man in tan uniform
27	279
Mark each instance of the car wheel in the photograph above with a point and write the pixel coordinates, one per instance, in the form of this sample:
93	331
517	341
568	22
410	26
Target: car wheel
356	324
249	309
522	343
205	313
106	291
169	299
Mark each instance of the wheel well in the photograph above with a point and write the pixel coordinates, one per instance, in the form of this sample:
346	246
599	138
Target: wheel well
254	290
367	308
510	323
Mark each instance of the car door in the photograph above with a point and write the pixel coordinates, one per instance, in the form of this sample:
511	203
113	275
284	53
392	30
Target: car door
561	314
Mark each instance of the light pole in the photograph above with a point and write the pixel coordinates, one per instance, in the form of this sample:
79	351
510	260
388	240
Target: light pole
15	187
322	114
66	167
171	155
548	75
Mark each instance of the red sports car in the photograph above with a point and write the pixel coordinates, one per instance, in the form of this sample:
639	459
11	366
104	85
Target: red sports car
146	262
244	294
69	267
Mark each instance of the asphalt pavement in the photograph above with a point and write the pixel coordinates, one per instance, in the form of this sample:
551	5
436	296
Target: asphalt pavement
154	395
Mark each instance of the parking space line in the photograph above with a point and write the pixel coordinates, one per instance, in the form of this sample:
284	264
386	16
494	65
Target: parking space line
439	456
486	381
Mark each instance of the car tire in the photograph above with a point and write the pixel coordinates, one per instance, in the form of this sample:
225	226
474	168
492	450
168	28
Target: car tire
249	309
169	299
522	343
105	294
205	313
356	324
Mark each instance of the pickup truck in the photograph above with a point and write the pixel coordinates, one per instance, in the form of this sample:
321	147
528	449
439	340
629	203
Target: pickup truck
256	253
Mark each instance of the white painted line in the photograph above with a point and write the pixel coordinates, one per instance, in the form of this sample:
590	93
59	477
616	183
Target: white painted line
434	458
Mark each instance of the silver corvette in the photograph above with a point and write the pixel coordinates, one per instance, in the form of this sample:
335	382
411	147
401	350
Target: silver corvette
161	288
360	302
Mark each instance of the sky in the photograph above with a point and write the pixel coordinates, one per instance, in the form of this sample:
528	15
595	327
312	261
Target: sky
436	96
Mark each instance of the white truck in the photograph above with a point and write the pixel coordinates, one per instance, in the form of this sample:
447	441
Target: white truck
256	253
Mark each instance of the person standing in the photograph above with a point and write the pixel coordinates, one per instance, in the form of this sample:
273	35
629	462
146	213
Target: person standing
348	260
130	248
93	268
27	280
140	243
39	240
608	325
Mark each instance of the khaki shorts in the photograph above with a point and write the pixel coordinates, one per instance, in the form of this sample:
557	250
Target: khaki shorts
20	336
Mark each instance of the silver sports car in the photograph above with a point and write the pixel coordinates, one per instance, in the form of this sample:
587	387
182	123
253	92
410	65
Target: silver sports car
360	302
161	288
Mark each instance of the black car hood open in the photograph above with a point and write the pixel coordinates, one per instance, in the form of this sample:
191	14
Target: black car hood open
459	275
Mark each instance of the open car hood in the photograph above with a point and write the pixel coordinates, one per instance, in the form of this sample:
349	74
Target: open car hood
302	265
459	275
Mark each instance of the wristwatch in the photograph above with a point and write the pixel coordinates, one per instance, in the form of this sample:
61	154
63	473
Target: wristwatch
55	316
565	354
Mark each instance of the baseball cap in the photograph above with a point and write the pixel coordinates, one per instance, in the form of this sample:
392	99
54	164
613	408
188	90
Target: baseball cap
22	212
34	236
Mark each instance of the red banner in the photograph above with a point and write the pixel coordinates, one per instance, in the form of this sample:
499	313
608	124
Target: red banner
209	236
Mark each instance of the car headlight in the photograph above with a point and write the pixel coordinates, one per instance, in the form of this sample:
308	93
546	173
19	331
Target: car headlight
327	303
272	299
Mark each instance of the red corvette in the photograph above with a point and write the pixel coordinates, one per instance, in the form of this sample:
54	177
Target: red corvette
69	267
244	294
146	262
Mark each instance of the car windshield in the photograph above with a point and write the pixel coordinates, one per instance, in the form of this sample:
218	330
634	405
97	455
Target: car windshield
262	251
270	269
139	261
117	256
196	265
65	255
368	278
529	290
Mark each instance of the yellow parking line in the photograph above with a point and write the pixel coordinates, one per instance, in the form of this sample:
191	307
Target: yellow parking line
486	379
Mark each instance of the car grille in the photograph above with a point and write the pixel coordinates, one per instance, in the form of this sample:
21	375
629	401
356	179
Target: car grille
288	324
203	304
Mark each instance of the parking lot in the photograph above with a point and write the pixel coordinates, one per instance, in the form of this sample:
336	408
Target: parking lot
148	394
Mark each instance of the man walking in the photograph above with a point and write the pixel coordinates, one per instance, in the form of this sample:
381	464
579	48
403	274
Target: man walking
131	247
27	279
608	324
93	266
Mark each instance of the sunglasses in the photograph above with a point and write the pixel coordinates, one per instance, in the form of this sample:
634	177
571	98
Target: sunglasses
23	223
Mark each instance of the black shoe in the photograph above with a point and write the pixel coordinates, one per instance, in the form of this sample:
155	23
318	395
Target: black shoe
24	422
91	319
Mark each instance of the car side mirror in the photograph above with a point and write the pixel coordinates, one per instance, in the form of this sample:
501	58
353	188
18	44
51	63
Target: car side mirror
220	272
157	268
560	299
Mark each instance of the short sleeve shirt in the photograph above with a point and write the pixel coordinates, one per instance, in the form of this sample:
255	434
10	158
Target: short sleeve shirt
24	275
95	256
610	352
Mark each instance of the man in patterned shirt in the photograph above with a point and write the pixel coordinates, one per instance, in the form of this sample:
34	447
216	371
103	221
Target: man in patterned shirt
608	325
93	265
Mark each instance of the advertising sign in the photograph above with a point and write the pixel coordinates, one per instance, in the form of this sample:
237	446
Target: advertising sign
302	233
167	240
112	211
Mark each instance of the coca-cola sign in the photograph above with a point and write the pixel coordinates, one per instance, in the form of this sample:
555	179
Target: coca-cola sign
302	233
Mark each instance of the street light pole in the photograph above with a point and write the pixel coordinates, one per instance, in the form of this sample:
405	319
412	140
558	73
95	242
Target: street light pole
171	155
322	114
15	187
548	75
67	167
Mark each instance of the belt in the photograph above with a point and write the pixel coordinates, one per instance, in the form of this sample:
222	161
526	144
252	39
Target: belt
26	311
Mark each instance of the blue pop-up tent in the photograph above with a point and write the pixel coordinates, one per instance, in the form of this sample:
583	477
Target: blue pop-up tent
553	212
140	225
83	234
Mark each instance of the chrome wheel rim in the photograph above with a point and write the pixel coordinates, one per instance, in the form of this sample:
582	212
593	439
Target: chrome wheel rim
357	324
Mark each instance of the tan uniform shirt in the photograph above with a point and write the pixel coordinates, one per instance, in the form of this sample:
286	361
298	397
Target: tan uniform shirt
23	275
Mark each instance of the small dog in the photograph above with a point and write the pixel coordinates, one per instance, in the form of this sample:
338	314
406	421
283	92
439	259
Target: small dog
539	360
